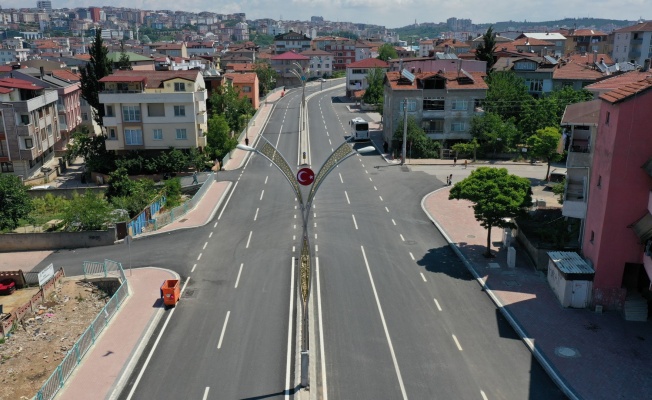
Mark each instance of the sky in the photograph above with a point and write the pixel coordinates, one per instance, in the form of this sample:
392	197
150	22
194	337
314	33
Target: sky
390	13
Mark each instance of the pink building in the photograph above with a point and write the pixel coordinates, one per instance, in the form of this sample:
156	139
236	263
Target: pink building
618	226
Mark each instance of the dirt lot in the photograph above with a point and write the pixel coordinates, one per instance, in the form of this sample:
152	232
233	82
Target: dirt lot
30	355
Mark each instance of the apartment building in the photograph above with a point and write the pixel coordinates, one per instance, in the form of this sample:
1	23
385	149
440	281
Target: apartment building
633	43
154	110
321	63
287	62
291	41
356	73
343	50
443	103
29	127
246	84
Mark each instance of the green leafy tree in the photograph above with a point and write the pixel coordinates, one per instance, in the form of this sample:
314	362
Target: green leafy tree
496	195
88	212
419	145
15	203
544	145
506	94
267	76
218	138
123	62
119	184
93	149
98	67
172	192
386	52
485	52
493	134
466	149
226	101
374	94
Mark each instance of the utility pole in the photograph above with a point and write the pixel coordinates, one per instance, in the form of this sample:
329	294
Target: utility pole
405	107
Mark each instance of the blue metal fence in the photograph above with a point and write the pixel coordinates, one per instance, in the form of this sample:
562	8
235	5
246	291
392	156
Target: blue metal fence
87	339
140	223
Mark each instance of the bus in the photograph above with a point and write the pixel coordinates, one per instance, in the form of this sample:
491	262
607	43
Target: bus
359	129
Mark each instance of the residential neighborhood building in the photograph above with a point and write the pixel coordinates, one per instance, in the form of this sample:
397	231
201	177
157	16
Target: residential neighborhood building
343	50
246	84
321	63
287	62
633	43
586	41
536	71
291	41
557	39
356	73
618	226
30	128
442	103
154	110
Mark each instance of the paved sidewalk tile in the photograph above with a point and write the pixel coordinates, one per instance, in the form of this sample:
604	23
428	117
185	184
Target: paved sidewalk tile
599	356
122	341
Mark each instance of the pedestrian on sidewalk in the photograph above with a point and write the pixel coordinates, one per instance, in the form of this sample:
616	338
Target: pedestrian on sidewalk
450	180
447	180
454	161
194	178
465	164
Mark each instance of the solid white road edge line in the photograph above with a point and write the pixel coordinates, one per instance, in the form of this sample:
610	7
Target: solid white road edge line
321	336
288	361
226	321
151	352
382	318
227	202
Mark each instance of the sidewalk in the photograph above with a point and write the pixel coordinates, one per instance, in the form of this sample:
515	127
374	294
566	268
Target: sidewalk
591	356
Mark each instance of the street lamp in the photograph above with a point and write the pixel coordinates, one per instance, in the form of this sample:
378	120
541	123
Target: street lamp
344	151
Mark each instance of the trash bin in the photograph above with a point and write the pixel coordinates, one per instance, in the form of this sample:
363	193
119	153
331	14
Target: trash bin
170	292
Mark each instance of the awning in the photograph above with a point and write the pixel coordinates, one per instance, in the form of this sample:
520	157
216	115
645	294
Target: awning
643	228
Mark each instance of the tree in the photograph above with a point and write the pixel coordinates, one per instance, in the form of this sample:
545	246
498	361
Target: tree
496	195
226	101
98	67
88	212
485	52
386	52
123	63
494	134
93	149
469	148
219	141
266	76
16	203
544	145
506	94
418	144
375	91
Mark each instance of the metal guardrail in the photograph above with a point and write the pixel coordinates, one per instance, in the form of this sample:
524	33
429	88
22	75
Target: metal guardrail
74	356
167	218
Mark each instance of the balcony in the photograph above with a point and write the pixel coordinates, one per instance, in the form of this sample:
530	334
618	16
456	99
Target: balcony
63	126
201	141
29	154
201	96
574	199
578	160
449	136
25	130
41	101
202	118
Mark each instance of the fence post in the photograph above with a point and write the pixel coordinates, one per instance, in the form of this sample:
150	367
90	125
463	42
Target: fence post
60	373
77	352
93	331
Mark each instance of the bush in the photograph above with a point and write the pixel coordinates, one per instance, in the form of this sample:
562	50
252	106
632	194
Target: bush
172	192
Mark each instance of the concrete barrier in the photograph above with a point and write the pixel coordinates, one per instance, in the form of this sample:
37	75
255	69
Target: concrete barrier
56	240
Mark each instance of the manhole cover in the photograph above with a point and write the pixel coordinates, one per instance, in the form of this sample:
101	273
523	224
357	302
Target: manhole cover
470	236
511	283
189	293
567	352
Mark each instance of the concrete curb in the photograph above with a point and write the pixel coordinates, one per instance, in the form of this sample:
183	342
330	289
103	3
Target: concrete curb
543	360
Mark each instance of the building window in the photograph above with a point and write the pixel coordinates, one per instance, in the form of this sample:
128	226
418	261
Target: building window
433	126
158	134
7	167
112	135
179	111
156	110
459	105
109	111
412	105
246	89
433	104
599	180
534	85
29	143
84	116
133	137
131	113
24	119
181	134
179	87
458	126
607	118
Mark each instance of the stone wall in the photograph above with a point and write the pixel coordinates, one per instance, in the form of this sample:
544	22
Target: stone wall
56	240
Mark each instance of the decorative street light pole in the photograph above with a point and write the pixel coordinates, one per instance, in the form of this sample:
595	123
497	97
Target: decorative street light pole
344	151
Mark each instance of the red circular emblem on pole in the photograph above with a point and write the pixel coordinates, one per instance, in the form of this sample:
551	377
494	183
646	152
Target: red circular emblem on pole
305	176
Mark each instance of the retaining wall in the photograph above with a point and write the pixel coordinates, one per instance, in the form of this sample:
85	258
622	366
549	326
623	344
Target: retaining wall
56	240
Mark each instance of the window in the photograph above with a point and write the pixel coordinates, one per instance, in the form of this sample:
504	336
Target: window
459	105
179	111
433	104
433	126
112	135
412	105
156	110
158	134
599	180
179	87
24	119
592	236
131	113
133	137
607	119
84	116
534	85
181	134
525	66
109	111
29	143
246	89
458	127
7	167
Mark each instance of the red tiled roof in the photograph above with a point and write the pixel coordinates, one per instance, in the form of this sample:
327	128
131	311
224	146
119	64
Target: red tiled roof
586	32
368	63
154	79
640	27
626	91
117	78
290	55
452	81
13	83
5	90
240	66
619	80
576	71
65	75
247	77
